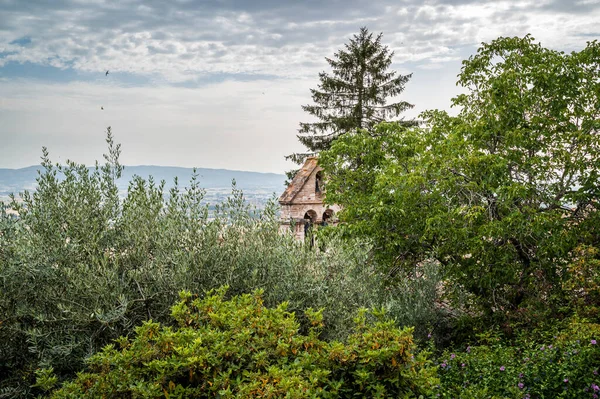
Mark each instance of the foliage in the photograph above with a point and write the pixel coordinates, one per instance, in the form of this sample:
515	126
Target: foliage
81	266
355	95
582	283
388	216
491	215
500	195
239	348
412	297
564	363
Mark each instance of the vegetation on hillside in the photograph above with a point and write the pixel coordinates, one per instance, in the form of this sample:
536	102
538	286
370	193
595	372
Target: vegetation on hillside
81	267
479	230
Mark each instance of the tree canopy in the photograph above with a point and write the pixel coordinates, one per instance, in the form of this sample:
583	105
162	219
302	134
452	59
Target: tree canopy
500	194
354	95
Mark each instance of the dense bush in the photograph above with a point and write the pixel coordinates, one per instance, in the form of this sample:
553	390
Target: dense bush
241	349
558	363
82	266
582	283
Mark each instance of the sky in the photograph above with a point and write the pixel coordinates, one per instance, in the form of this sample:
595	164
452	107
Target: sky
220	83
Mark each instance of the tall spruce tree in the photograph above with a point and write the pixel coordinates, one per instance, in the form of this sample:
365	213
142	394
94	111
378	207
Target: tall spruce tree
354	96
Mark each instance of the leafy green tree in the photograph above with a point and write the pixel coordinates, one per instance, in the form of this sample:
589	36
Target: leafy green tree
355	95
501	194
389	217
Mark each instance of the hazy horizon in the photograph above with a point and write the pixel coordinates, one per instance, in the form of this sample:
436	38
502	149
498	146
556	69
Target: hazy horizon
258	187
158	166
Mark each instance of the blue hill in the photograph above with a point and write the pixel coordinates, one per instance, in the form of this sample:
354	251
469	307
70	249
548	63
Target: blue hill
217	182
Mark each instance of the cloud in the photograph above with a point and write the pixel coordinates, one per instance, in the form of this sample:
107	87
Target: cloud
182	40
186	77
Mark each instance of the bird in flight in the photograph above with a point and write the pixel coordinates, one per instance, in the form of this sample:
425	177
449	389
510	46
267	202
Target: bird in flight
106	74
102	108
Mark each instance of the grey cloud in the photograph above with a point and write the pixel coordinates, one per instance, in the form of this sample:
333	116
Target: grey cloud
571	6
178	39
462	2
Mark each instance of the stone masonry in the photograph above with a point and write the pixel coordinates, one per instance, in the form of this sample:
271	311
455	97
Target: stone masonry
301	203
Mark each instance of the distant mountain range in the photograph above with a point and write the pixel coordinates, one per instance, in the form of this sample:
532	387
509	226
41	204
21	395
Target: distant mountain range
257	187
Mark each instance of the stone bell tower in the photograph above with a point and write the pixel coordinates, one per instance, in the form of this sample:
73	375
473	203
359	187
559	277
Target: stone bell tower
302	207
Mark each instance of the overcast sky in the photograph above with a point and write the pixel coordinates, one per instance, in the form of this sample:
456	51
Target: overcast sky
219	83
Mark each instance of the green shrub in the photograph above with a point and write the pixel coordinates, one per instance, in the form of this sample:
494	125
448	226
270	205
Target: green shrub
239	348
82	266
563	365
416	298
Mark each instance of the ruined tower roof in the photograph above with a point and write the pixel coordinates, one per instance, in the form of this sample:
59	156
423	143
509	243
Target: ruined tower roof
298	181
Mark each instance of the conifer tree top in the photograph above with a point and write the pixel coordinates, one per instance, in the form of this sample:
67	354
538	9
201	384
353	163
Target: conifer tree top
354	95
